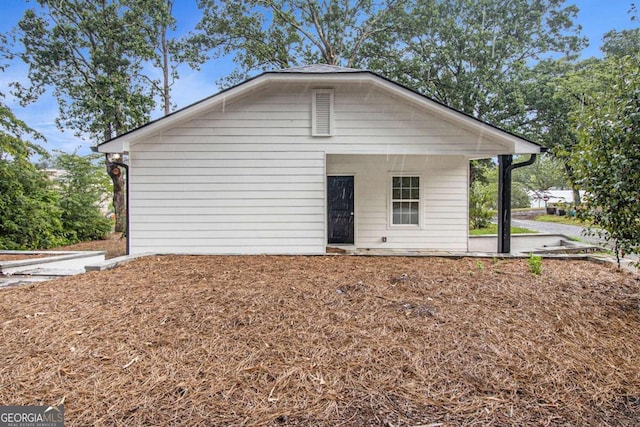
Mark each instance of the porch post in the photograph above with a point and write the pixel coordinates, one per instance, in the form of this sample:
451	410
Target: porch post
504	203
505	167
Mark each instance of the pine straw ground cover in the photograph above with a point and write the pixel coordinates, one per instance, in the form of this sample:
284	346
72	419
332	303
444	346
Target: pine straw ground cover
327	341
114	245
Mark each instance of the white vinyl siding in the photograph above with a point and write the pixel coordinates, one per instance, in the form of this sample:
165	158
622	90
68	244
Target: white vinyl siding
443	194
228	202
247	176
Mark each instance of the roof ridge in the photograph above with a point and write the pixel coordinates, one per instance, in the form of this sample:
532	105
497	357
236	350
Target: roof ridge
318	68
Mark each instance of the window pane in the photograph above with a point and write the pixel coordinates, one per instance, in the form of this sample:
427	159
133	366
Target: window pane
397	215
414	218
413	213
404	212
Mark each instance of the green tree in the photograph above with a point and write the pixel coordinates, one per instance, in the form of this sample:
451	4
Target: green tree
483	196
13	131
546	173
82	188
606	159
621	43
169	53
473	55
550	99
92	54
476	55
267	34
480	202
29	217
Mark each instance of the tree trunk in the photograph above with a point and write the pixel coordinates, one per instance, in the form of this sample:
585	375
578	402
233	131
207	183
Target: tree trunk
119	203
166	90
576	197
576	192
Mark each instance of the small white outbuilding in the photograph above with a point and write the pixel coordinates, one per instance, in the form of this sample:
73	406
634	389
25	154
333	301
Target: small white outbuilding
292	161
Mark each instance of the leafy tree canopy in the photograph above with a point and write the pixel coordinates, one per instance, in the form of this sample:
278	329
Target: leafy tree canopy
268	34
546	173
13	131
606	159
474	55
621	43
91	54
83	187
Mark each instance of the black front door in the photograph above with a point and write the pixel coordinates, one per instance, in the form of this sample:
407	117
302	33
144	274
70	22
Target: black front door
340	215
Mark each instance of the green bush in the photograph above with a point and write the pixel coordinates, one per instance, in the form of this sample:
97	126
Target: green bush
29	213
82	188
480	213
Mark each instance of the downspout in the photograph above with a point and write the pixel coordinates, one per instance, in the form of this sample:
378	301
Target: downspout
505	166
126	168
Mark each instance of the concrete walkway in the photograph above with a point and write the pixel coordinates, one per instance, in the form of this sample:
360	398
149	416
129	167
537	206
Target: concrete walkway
574	231
47	265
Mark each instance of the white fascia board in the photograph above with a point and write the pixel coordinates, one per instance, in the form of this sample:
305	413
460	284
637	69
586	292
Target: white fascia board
525	147
116	146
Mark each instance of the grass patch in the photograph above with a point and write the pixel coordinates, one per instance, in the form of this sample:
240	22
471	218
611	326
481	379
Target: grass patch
562	220
493	229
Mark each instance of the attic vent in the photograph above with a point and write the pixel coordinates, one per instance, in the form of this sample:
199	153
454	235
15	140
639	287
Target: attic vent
322	112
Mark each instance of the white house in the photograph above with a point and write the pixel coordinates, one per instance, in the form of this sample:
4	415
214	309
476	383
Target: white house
294	160
553	197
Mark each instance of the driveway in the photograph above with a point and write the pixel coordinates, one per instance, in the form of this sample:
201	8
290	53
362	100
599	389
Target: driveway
554	228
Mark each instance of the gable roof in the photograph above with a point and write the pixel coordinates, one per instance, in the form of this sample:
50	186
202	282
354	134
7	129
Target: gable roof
317	73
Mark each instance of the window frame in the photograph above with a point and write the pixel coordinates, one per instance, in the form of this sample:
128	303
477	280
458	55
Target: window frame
392	200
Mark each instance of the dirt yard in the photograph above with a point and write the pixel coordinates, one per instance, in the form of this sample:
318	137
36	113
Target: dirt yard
19	257
327	341
114	246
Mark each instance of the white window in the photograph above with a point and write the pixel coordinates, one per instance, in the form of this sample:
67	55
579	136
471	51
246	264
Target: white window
405	200
322	112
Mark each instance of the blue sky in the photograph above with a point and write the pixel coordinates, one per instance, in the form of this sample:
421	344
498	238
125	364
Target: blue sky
596	18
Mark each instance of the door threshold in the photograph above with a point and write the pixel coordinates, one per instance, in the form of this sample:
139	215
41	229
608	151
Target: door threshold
336	248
